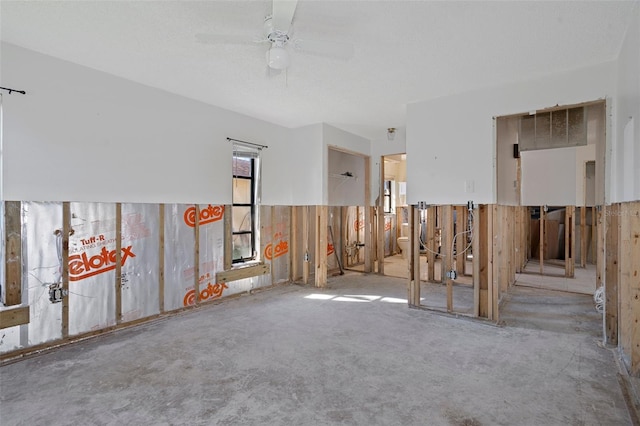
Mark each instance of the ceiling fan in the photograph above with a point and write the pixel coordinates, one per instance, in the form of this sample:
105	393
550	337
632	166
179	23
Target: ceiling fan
277	31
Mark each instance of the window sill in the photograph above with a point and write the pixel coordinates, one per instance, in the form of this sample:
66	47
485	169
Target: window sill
249	269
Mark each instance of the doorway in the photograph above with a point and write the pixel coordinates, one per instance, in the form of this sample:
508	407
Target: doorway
393	216
552	161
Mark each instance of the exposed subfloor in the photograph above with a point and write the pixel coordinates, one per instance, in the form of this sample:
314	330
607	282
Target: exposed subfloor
350	354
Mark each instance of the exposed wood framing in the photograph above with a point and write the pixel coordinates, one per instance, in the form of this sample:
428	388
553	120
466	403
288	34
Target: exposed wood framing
525	241
381	220
196	255
414	256
368	218
543	239
600	247
496	235
513	244
321	246
118	278
475	247
519	237
594	234
13	253
374	239
486	266
529	234
446	251
13	317
611	274
305	244
484	258
431	243
501	254
358	236
344	239
380	239
629	284
569	241
398	225
66	232
519	180
461	239
294	269
243	272
228	237
272	228
161	259
583	237
368	240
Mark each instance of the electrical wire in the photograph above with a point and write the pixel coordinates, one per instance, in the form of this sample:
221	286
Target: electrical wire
598	298
469	231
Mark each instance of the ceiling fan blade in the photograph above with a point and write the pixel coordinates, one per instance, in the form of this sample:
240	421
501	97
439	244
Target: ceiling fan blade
331	49
282	16
229	39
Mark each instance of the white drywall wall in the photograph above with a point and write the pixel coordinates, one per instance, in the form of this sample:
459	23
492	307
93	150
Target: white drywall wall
507	166
341	140
451	140
297	178
83	135
549	177
546	179
344	190
625	185
583	154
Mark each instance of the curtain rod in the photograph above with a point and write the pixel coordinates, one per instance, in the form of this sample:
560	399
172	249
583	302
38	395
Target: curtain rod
13	90
248	143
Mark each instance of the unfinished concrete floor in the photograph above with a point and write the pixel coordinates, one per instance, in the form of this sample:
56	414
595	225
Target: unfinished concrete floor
583	282
351	354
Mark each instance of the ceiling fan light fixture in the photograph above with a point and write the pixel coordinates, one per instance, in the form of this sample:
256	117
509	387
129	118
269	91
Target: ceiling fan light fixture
277	58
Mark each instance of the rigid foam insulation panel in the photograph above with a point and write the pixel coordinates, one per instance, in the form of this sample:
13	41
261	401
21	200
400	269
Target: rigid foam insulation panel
390	230
354	233
311	238
276	241
92	279
179	255
42	242
333	238
180	260
140	274
211	250
2	249
92	246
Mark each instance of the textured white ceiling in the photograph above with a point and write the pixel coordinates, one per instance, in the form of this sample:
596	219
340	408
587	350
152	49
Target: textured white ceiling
405	51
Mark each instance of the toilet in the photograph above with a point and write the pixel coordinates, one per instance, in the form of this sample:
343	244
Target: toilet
403	240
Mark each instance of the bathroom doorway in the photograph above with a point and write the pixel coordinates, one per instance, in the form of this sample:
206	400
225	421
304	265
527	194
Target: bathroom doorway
393	202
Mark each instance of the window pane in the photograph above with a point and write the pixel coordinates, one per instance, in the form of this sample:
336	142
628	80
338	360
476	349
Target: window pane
241	191
241	219
241	166
242	246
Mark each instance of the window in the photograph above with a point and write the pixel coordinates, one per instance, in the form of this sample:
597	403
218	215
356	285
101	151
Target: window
244	208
